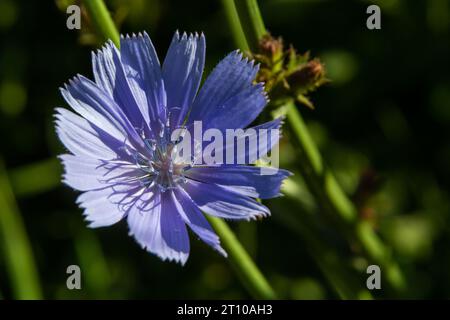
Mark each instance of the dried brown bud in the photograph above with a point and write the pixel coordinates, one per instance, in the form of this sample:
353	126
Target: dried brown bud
271	47
308	75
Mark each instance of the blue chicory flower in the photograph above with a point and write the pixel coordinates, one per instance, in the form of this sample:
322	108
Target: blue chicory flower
120	152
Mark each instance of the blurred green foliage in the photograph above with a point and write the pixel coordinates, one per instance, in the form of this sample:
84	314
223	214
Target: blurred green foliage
382	125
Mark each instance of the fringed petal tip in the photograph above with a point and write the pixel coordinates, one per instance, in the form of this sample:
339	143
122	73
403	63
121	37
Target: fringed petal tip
250	218
246	61
106	50
186	36
133	35
218	248
177	257
180	258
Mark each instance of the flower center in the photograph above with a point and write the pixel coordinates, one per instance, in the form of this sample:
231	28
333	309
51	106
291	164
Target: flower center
161	165
161	169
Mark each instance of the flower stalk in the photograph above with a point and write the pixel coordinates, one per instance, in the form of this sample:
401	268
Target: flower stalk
235	25
251	22
246	269
319	178
102	20
244	266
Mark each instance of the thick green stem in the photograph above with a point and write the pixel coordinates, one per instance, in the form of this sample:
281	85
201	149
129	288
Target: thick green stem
102	21
246	269
235	25
320	180
251	22
19	256
243	264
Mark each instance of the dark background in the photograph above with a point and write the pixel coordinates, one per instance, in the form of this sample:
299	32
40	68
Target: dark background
385	114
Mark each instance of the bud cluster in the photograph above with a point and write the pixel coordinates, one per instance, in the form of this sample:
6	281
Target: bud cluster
286	73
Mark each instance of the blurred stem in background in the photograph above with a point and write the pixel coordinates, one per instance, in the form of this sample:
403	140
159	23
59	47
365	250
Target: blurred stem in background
340	277
93	263
333	201
18	253
28	179
248	272
319	179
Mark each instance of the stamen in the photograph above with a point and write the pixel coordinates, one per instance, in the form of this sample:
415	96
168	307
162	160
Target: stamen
162	169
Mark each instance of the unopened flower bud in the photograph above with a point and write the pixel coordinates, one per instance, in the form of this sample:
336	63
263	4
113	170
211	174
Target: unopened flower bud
308	75
271	47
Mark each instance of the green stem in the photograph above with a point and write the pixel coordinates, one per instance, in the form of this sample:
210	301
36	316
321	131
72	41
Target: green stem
26	180
244	266
235	25
19	256
251	21
335	203
341	278
94	265
246	269
320	179
102	21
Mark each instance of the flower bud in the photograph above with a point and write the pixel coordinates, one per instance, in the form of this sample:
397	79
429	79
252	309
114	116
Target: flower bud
271	47
307	76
